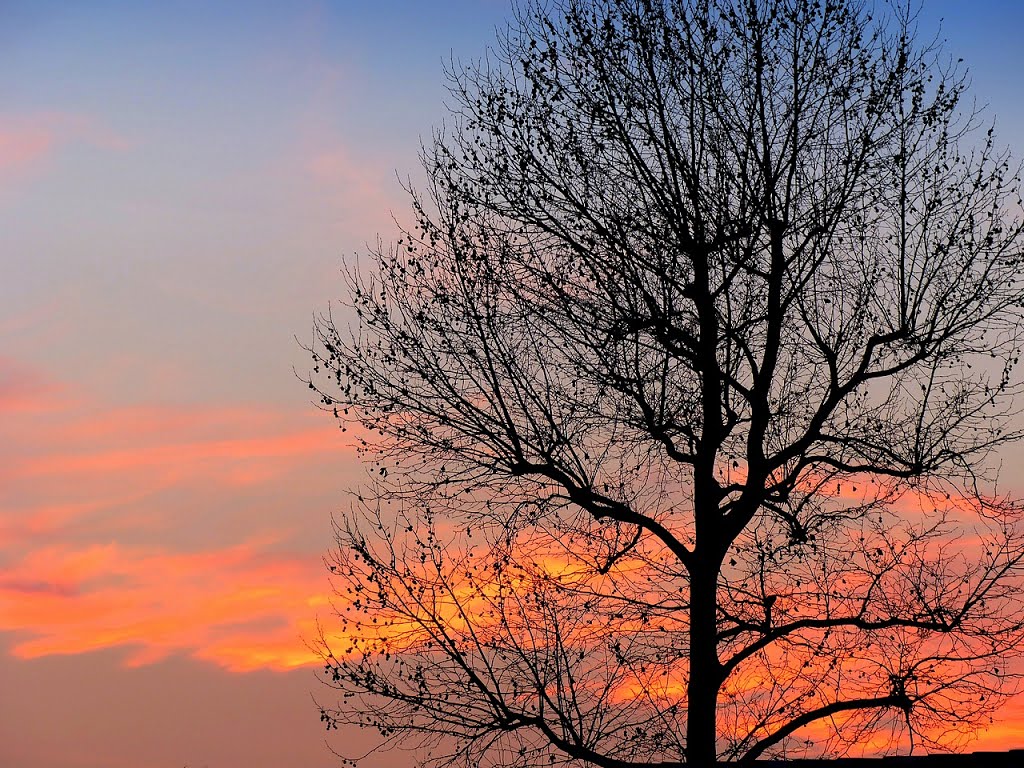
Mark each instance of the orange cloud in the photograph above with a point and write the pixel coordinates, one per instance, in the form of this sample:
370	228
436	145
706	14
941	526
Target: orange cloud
118	526
242	608
1007	731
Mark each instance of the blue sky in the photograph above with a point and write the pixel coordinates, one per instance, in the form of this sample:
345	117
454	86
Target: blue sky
178	184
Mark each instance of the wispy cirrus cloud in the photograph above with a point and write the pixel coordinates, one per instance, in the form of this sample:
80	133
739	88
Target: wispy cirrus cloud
22	146
27	141
180	455
354	188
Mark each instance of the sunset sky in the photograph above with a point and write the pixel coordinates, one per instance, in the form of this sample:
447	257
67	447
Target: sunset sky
179	182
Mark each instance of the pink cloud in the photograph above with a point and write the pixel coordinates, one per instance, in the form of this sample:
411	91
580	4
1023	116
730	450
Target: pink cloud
23	387
180	455
353	187
28	141
85	442
21	147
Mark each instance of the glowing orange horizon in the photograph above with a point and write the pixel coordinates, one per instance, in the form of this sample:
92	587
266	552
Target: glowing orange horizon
248	606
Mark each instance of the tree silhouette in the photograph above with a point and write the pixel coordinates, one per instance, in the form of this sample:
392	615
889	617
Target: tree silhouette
682	396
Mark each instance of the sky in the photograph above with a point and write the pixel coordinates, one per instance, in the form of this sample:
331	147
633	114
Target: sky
179	183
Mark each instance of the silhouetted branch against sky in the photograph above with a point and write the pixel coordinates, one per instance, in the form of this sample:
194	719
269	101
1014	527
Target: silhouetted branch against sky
682	398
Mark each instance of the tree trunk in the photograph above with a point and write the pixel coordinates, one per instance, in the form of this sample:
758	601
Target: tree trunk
702	693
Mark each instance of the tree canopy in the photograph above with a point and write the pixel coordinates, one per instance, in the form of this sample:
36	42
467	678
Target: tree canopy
683	395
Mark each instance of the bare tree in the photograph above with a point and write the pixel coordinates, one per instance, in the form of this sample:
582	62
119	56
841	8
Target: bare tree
682	397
